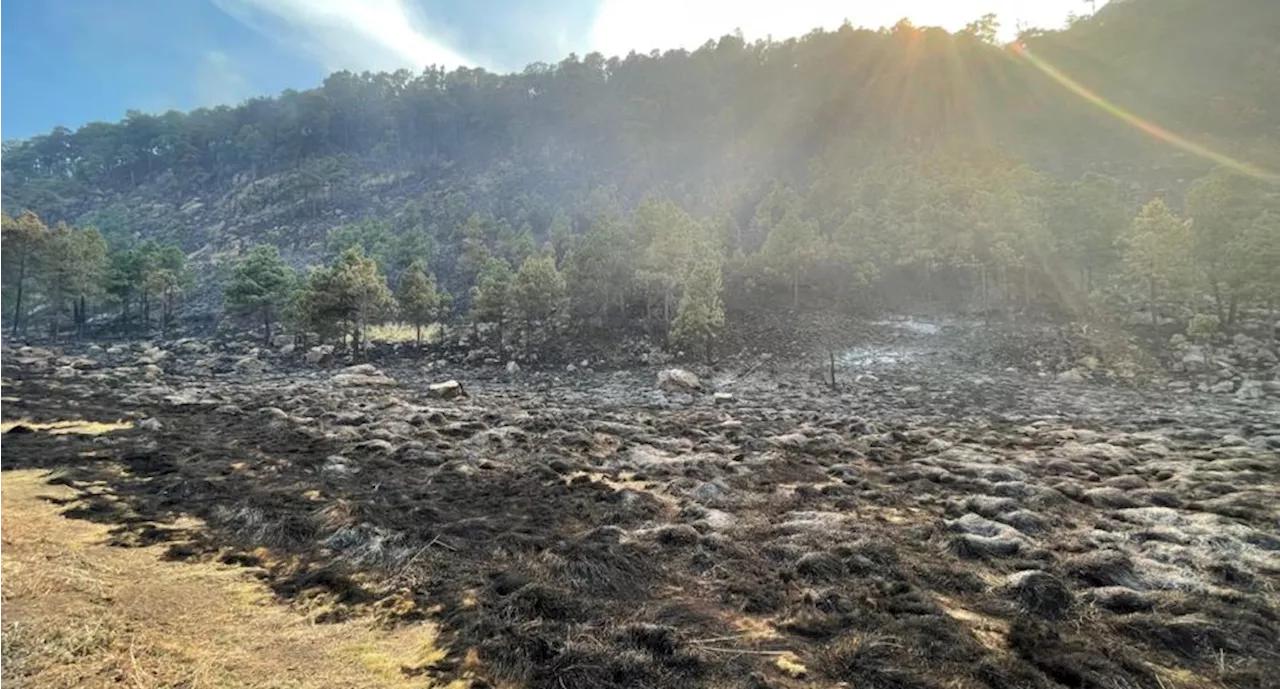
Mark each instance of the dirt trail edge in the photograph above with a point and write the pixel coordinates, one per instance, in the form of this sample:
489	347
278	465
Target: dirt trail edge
80	612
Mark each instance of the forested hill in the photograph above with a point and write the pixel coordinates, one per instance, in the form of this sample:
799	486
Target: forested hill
855	130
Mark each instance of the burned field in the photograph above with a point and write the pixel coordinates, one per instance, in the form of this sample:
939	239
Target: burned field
927	526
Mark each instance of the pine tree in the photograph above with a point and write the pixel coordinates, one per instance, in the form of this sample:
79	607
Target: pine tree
419	301
700	315
345	297
1157	250
261	285
538	297
490	297
23	238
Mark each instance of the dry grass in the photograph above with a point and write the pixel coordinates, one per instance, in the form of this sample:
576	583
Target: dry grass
402	332
80	613
64	427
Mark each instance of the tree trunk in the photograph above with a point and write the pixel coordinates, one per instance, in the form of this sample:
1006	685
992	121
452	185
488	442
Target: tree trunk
831	353
17	304
418	334
985	295
1155	319
1217	301
1232	307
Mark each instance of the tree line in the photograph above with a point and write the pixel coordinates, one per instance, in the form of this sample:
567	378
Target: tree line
975	231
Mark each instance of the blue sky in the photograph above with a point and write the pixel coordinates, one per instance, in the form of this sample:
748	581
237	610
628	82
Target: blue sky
68	62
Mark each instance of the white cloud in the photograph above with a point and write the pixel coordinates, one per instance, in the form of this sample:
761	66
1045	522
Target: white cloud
642	25
349	34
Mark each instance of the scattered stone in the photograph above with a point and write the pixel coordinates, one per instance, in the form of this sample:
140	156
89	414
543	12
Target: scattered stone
513	368
1251	390
937	445
352	380
250	365
449	389
678	380
722	398
320	354
1223	387
1073	375
150	424
152	372
65	372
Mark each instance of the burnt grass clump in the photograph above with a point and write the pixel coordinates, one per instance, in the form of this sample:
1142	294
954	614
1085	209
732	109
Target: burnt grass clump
598	533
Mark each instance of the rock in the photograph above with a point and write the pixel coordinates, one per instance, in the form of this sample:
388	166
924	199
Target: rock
1195	359
320	354
376	379
1178	340
151	371
249	365
150	424
447	390
282	340
863	378
1090	362
678	380
1223	387
288	349
937	445
65	372
585	363
362	370
570	368
513	368
722	398
192	347
1250	390
1073	375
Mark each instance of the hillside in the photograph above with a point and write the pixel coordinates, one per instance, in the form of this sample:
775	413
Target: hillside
843	124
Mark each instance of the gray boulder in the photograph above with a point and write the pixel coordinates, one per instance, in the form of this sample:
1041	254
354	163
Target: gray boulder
678	380
320	354
449	389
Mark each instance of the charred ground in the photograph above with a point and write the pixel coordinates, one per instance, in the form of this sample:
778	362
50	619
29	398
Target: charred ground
935	523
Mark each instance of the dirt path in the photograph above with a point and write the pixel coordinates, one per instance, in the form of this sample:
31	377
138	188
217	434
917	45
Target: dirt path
81	613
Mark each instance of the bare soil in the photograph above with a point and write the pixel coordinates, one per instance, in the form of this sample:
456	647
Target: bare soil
941	523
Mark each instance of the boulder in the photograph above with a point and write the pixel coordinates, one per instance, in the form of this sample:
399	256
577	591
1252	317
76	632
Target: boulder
320	354
362	370
375	379
1250	390
723	398
447	390
151	371
65	372
150	424
249	365
282	340
513	368
1073	375
678	380
1223	387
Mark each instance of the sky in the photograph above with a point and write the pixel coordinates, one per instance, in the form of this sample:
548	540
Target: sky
69	62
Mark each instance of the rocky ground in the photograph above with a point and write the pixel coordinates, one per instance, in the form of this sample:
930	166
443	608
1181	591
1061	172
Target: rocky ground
967	508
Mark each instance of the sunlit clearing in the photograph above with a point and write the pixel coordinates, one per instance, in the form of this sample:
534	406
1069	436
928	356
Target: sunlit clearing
68	427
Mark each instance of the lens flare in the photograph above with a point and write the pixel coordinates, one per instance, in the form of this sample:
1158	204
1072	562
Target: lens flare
1139	123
